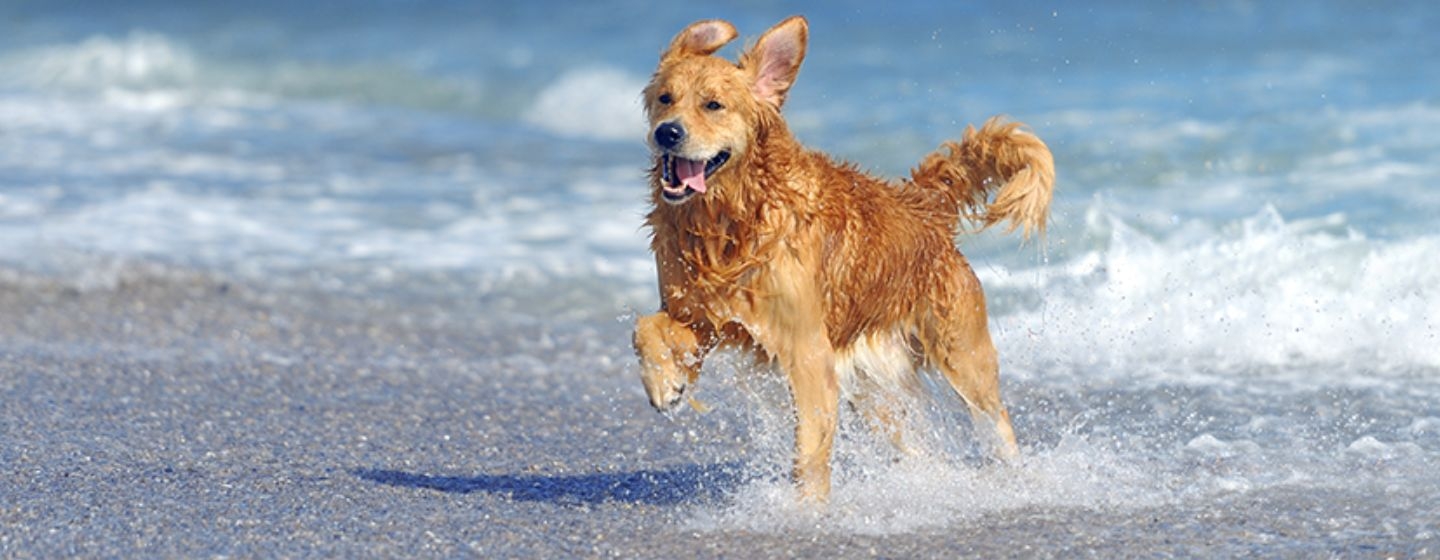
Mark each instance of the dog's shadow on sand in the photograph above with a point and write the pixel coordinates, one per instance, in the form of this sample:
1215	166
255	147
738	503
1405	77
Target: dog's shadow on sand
667	486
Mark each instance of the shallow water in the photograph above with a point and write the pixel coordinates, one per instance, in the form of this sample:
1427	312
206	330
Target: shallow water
1228	342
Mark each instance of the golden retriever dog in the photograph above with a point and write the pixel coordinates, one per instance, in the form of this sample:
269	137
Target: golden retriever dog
846	282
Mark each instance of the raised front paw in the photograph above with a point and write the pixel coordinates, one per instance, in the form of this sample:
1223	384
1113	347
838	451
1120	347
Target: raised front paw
664	390
668	359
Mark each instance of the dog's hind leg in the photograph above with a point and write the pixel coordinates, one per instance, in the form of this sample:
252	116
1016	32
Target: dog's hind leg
957	342
886	417
972	369
878	372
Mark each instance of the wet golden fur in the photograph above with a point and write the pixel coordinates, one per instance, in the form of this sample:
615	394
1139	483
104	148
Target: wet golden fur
847	282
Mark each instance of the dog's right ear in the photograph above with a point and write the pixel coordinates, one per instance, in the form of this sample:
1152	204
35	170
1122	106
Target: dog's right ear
701	38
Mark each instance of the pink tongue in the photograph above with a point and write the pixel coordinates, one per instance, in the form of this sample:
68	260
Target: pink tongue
692	173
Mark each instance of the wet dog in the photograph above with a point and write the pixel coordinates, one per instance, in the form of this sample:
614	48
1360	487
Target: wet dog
847	282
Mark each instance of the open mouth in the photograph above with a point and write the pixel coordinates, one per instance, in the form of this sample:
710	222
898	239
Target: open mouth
682	177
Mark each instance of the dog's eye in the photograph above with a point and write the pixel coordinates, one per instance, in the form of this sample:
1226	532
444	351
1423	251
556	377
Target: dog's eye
665	99
714	106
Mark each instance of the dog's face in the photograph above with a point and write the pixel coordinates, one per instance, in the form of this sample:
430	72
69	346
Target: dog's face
704	110
697	107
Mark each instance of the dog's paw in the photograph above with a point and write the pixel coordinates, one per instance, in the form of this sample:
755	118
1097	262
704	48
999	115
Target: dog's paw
665	392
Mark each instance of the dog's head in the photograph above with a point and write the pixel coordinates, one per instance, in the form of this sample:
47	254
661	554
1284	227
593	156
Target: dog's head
705	111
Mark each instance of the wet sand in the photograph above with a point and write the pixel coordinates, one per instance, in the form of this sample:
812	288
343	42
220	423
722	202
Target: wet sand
169	413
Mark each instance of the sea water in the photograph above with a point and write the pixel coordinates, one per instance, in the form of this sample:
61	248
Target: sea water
1237	296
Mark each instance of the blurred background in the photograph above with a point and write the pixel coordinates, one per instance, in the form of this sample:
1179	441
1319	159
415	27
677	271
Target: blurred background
497	138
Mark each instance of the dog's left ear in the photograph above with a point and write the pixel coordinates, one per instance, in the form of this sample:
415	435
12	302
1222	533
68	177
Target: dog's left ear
775	60
701	38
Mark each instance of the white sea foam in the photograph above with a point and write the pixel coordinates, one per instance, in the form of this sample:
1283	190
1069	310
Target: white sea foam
138	59
920	493
162	222
1260	292
938	482
597	103
149	70
1368	448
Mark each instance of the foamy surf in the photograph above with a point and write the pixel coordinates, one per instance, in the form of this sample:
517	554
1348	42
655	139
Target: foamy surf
886	497
597	103
1260	292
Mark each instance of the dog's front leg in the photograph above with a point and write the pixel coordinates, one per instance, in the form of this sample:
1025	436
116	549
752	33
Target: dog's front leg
787	319
810	365
670	358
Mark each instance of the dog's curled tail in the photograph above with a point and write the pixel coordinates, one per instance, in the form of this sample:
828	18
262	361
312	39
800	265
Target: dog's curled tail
1000	158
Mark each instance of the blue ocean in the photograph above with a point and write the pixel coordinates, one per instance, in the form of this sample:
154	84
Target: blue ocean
1229	338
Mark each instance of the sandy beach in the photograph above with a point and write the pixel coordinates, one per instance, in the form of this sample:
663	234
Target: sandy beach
173	414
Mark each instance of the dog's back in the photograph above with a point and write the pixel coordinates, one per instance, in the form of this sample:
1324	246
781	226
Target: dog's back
887	242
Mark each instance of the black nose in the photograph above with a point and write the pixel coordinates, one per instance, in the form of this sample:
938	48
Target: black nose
668	135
